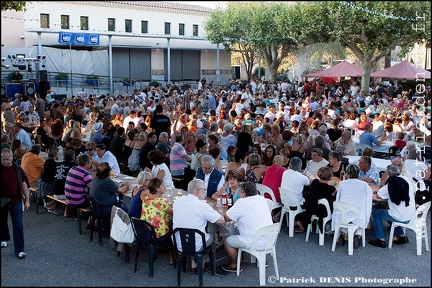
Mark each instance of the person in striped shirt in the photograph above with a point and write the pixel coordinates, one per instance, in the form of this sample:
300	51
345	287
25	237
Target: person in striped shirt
78	182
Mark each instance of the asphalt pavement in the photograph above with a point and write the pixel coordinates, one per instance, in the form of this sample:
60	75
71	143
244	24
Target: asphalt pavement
57	255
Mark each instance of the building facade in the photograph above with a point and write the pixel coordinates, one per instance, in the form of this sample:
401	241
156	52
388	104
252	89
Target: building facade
142	40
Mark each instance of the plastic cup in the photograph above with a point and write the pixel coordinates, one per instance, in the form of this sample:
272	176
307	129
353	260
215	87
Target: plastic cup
180	193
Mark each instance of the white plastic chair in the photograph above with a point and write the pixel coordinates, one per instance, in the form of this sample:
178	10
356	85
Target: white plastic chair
418	225
346	208
288	199
263	189
270	233
324	202
270	204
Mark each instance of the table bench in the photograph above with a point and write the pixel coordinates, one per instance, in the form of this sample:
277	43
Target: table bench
80	211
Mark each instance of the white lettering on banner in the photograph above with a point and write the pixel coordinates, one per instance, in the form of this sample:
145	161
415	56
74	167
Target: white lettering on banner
342	280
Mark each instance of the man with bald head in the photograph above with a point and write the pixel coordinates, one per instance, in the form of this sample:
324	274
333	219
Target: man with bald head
345	141
400	164
273	176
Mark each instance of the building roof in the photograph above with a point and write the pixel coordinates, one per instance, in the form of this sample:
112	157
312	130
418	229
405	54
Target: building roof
144	5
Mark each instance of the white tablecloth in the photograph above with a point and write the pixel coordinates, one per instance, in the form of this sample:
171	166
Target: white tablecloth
381	164
383	148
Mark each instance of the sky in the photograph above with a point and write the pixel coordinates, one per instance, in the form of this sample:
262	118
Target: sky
210	4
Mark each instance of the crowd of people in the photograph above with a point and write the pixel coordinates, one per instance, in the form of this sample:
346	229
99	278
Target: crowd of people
230	138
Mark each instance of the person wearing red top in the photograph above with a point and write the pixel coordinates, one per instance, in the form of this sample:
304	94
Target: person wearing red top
363	122
400	142
273	176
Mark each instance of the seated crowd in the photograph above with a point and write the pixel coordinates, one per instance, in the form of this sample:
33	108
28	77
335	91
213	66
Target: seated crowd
166	139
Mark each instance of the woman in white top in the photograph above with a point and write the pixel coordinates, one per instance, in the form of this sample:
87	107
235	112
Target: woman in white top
406	124
160	169
351	122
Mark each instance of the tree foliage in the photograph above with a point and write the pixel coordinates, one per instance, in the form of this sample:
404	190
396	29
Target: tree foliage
249	27
13	5
370	29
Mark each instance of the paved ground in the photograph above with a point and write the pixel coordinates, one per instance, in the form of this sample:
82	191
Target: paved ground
58	256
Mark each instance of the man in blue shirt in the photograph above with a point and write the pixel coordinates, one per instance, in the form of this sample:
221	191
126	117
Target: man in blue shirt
368	173
368	138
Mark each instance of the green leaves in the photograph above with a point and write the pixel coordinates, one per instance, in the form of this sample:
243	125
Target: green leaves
13	5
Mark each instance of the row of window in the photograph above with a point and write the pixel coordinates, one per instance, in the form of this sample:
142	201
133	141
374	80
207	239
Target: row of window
84	24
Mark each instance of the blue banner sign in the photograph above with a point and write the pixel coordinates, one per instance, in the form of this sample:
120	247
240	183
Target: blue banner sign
78	38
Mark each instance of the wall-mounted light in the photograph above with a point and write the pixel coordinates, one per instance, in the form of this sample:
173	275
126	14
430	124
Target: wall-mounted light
22	37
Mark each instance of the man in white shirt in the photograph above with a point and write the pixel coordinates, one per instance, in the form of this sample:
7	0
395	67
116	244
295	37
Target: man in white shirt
271	113
23	136
400	194
293	180
239	107
131	118
251	214
190	212
247	98
104	155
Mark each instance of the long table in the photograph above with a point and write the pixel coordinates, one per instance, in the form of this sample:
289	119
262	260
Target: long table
381	164
383	148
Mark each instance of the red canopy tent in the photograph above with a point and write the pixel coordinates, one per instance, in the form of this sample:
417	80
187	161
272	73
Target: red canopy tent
403	70
343	69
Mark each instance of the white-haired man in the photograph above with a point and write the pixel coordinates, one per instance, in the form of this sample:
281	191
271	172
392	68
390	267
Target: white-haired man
190	212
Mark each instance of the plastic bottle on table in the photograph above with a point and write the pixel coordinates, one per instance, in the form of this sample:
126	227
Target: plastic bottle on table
219	204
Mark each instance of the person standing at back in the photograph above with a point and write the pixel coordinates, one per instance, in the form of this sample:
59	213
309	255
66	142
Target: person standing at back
150	145
14	194
160	123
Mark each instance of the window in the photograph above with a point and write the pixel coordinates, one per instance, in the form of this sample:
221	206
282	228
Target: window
64	21
128	25
167	28
181	29
84	23
195	30
44	21
144	27
111	24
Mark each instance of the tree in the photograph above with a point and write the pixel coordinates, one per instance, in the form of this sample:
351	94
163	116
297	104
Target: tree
13	5
370	29
248	27
229	27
